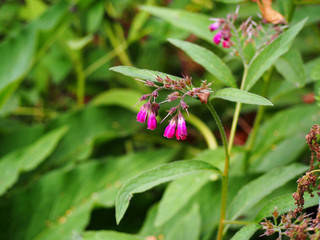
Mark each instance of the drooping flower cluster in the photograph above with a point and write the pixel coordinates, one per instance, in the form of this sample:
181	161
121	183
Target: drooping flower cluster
182	87
223	34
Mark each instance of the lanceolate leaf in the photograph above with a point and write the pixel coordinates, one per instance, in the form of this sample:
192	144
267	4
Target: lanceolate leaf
208	60
237	95
194	23
270	54
108	235
246	232
257	189
154	177
144	74
28	158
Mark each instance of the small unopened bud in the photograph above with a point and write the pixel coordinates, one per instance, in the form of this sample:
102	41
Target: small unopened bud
203	96
155	94
173	96
188	80
144	97
159	79
150	83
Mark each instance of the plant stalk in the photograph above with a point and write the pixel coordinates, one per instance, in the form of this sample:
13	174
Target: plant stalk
237	112
225	176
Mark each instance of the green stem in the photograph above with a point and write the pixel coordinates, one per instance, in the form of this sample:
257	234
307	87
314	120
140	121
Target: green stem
224	191
80	80
237	112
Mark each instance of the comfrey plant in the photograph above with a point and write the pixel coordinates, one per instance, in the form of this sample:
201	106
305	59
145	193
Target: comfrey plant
270	42
295	224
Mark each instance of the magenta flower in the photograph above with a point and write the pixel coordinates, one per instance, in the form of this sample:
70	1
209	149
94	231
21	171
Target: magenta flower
142	115
214	26
217	38
152	121
181	133
226	44
170	129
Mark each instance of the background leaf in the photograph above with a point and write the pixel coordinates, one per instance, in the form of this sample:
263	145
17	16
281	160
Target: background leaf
194	23
257	189
290	65
237	95
246	232
26	159
108	235
65	208
211	62
264	60
154	177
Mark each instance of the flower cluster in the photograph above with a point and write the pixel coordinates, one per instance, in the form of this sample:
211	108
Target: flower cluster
295	224
182	87
303	227
223	34
250	31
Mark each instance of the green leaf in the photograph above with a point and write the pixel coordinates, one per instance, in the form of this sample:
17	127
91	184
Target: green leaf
188	227
211	62
88	125
26	159
230	1
315	72
280	154
154	177
180	190
291	67
61	202
284	203
194	23
264	60
286	8
237	95
18	53
144	74
257	189
109	235
246	232
121	97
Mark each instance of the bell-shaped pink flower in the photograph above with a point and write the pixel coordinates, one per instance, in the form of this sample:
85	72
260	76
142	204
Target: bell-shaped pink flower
214	26
226	43
217	38
152	121
142	115
170	129
181	133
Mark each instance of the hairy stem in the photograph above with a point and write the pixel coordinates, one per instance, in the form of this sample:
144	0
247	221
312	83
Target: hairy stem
225	176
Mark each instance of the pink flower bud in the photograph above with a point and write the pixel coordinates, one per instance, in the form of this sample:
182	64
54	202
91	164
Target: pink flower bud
214	26
217	38
226	44
152	121
181	133
142	115
170	129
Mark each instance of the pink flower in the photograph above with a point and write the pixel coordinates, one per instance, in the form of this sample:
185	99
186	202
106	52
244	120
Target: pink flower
142	115
170	129
214	26
217	38
152	121
226	44
181	133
